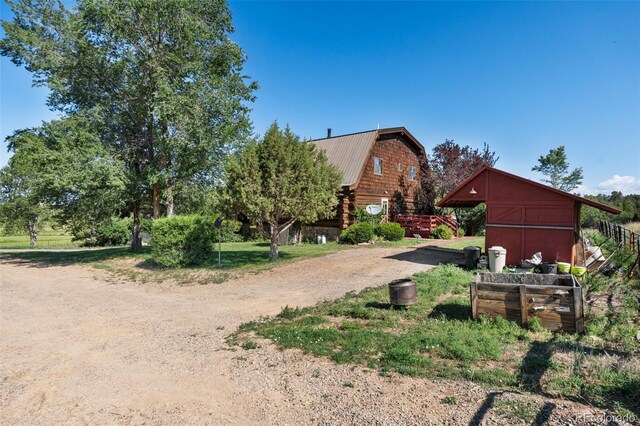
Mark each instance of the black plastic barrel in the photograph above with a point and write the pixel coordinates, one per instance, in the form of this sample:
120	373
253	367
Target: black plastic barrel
471	257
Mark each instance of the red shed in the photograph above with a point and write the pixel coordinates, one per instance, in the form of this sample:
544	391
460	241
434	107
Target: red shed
523	216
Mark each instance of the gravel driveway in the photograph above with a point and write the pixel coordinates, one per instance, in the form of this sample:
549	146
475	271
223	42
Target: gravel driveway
78	349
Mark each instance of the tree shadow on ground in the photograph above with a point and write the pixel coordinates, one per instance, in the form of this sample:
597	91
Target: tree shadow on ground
254	255
538	361
479	415
46	258
542	417
430	256
451	311
379	305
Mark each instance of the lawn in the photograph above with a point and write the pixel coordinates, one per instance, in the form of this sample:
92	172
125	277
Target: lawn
436	338
237	258
458	244
53	239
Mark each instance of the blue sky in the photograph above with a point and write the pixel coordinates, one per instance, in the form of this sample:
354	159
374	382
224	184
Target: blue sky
523	77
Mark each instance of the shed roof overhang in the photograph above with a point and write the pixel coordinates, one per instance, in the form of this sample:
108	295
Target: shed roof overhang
459	198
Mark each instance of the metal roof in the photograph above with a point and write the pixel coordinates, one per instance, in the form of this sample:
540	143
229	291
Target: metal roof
349	153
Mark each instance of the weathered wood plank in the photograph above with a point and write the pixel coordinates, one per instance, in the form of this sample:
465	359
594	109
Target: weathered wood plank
498	295
557	326
474	300
524	312
506	304
579	314
552	315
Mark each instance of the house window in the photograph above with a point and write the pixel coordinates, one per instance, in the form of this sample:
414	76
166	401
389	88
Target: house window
400	167
377	165
412	173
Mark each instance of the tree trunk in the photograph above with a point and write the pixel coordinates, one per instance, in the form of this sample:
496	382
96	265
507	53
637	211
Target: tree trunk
156	201
273	231
32	227
136	239
170	203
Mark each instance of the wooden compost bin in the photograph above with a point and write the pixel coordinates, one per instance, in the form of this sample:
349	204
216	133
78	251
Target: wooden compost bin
555	299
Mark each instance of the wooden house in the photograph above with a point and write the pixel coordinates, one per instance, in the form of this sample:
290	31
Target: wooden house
378	166
525	217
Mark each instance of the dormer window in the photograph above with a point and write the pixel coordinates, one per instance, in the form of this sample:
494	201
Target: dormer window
377	166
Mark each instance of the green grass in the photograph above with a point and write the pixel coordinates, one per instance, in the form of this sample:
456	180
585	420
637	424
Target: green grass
234	255
236	258
93	255
525	411
436	338
405	242
46	239
460	244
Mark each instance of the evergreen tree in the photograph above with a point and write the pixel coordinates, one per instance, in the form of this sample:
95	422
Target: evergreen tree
554	165
281	180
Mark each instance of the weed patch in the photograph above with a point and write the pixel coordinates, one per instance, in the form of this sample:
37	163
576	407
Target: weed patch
437	338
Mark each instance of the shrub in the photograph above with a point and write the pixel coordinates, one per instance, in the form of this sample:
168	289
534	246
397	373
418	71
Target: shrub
390	231
357	233
361	215
114	233
230	231
183	240
442	232
460	232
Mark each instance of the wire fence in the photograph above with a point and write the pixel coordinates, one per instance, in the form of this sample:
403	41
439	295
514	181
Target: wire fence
622	236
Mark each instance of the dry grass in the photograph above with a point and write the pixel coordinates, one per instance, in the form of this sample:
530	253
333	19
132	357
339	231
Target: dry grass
633	226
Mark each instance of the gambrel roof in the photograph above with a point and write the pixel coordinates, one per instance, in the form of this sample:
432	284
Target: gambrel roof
350	152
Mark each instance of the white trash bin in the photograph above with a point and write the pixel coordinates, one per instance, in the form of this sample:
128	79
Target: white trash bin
497	258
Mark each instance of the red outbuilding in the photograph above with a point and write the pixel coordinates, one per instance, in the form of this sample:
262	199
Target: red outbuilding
523	216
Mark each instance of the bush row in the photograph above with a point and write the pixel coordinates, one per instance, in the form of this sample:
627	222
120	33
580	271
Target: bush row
362	232
189	240
442	232
117	232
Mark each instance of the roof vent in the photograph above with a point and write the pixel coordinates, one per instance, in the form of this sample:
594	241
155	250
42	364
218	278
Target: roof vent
328	132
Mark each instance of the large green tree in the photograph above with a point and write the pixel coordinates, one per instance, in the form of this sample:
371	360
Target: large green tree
281	180
555	167
68	170
22	208
163	77
447	167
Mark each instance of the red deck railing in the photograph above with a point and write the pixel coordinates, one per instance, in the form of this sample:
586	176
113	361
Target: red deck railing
422	225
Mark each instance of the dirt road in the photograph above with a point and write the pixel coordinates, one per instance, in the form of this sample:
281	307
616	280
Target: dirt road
78	349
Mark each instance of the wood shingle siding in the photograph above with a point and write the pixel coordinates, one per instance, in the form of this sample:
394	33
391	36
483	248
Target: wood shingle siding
354	155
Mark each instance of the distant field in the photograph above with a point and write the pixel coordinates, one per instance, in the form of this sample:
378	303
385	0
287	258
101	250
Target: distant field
46	239
632	226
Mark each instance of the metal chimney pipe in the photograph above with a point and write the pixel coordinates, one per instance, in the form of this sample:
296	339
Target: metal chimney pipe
328	132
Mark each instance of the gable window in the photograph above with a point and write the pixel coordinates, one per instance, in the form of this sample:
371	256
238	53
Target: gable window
377	165
412	173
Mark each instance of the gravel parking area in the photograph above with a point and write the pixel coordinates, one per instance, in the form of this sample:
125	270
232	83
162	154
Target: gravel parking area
77	348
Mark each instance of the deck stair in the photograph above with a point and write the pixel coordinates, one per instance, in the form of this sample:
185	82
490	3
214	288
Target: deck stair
423	225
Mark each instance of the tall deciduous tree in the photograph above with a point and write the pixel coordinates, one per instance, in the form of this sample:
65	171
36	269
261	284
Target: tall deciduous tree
555	167
22	208
447	167
281	180
69	170
163	76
